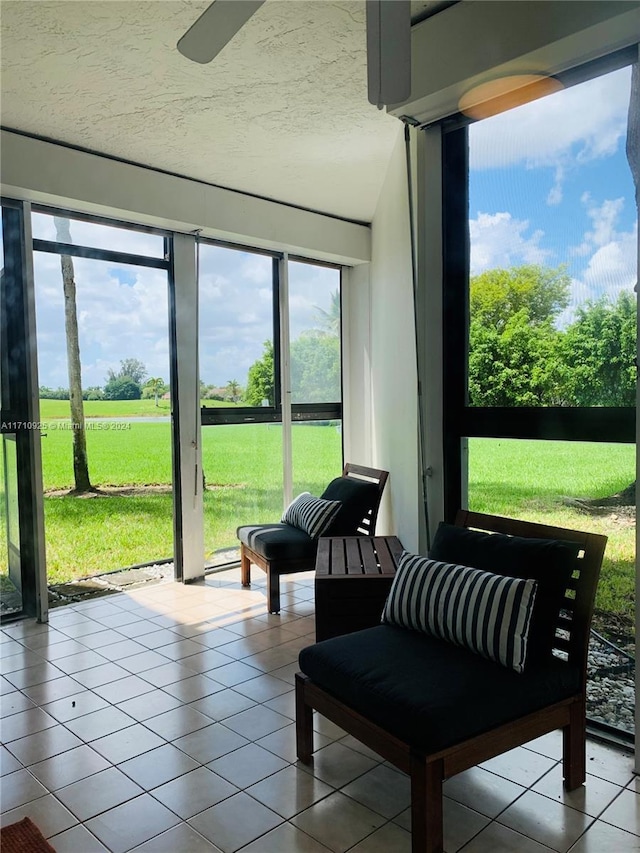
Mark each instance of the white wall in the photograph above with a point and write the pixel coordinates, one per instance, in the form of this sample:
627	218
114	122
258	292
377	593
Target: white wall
394	423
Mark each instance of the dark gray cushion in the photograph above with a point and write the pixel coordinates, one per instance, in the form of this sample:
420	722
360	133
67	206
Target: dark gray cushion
278	541
357	498
547	561
428	692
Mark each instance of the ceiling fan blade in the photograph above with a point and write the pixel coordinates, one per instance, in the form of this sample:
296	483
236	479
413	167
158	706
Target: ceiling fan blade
388	51
215	28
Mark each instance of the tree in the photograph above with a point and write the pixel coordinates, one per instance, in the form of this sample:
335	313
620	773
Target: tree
80	461
315	368
514	355
599	350
330	320
122	388
234	390
155	388
260	380
132	368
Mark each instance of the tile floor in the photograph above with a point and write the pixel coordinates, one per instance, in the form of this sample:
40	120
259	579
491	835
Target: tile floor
161	720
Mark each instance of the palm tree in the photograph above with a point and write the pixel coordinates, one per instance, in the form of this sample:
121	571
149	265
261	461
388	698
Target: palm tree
155	385
80	461
233	389
330	320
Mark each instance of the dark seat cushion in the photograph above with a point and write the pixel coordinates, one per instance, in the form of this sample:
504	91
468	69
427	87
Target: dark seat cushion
427	692
547	561
278	541
357	498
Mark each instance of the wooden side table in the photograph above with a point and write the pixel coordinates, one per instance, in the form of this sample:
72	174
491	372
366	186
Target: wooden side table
353	578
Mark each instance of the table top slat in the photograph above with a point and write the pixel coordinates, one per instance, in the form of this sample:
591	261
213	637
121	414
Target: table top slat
385	555
338	564
354	557
369	559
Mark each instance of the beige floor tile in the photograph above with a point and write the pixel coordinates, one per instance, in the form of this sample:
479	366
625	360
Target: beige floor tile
158	766
127	743
211	742
33	675
624	812
235	822
157	639
194	688
460	824
102	639
149	705
590	798
338	765
76	705
548	822
98	793
8	764
19	788
80	661
287	838
389	837
14	702
100	723
50	691
77	764
338	822
77	840
247	765
61	650
180	649
263	688
609	763
48	814
234	673
138	663
192	793
44	744
382	790
119	691
25	723
206	660
603	838
224	704
257	722
520	765
178	722
132	823
500	839
102	674
483	791
122	649
289	791
180	839
168	673
549	745
283	742
284	704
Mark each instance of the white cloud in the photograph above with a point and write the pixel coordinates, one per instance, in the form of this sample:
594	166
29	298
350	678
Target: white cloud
603	218
591	116
499	240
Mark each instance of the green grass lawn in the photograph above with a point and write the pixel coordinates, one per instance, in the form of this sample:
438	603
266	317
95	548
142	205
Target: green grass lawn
242	466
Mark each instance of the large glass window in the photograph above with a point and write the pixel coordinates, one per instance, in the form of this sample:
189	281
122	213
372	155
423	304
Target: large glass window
540	334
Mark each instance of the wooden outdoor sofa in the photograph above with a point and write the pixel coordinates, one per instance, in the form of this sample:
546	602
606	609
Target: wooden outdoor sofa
280	549
434	709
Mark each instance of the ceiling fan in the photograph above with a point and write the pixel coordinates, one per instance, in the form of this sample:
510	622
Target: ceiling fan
388	42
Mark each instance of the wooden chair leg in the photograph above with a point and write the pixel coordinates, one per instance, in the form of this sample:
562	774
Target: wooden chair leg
574	747
427	833
304	723
245	568
273	591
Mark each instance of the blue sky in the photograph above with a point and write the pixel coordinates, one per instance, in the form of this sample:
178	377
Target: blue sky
123	309
550	184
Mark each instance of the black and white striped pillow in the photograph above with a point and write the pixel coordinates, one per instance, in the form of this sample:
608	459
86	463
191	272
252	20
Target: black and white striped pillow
312	515
486	613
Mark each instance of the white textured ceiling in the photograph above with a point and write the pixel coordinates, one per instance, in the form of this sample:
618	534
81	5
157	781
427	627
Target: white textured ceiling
282	112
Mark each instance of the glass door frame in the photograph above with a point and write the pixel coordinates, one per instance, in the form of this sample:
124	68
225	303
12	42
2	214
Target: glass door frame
20	412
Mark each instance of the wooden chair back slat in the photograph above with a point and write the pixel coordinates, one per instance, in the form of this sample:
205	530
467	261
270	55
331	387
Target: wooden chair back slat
583	583
367	526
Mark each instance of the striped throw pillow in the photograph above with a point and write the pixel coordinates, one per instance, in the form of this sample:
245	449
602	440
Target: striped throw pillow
312	515
486	613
